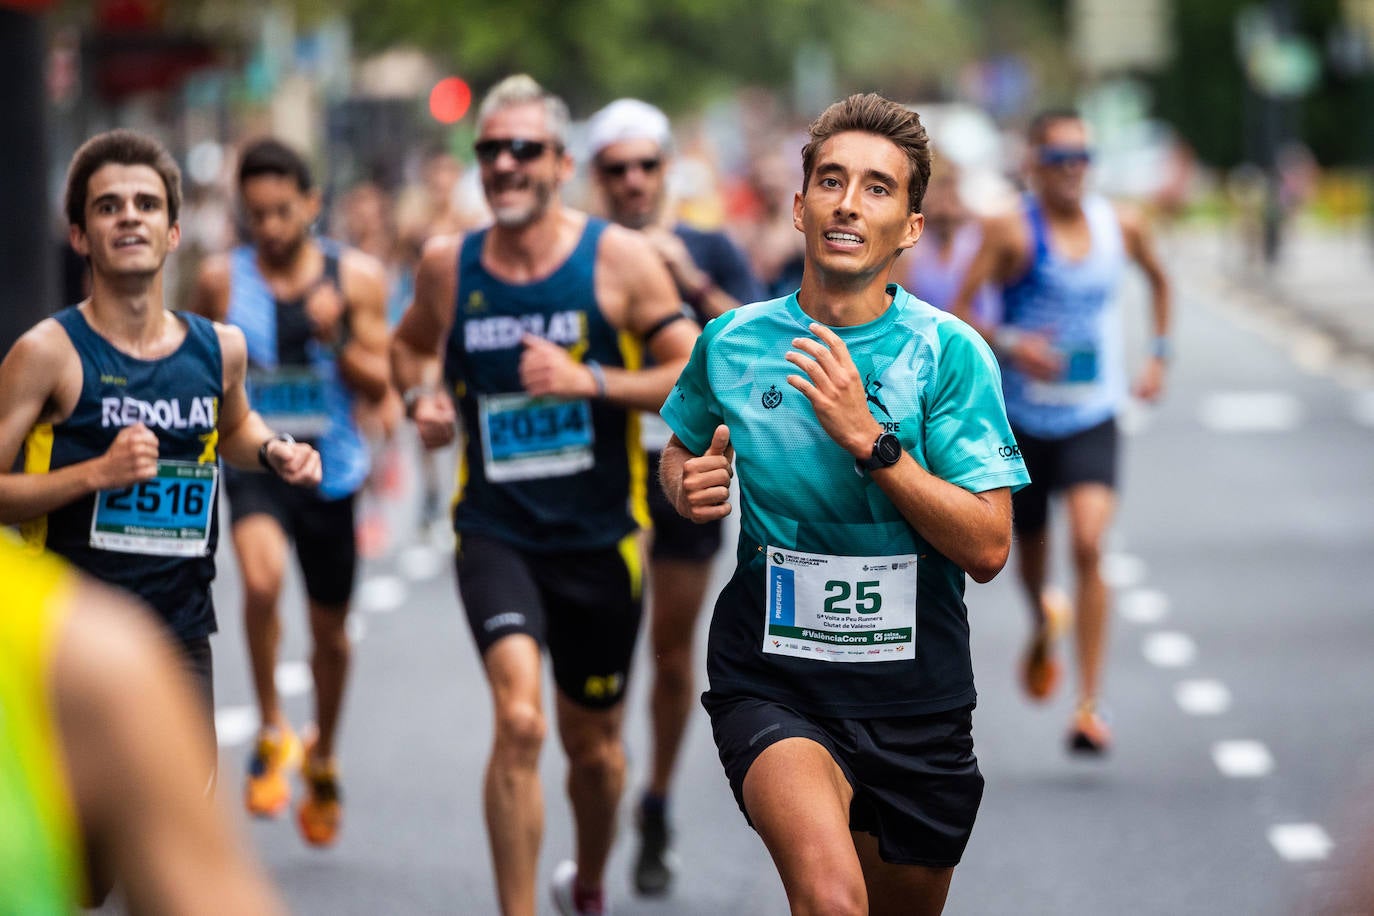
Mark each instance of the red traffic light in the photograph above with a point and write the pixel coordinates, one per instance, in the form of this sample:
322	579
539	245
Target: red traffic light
449	100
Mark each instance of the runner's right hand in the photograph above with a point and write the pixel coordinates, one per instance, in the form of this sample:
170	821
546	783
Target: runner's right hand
1034	355
131	458
434	419
705	493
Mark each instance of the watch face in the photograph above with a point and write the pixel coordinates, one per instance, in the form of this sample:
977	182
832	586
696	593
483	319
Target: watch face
888	449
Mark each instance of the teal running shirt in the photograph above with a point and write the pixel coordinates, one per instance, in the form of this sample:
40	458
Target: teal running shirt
837	605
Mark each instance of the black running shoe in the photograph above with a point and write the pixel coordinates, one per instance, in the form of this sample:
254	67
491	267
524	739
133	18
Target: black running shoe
655	864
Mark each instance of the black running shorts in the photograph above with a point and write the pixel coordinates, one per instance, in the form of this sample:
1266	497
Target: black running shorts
1057	464
584	606
915	779
677	538
322	530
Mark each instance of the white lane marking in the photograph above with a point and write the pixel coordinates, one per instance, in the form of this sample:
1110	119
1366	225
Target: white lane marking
1242	759
235	724
1202	697
1250	411
1169	649
1123	570
419	562
1362	407
381	594
356	627
294	679
1145	606
1300	842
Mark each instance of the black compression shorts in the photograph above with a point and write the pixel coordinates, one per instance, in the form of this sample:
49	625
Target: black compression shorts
1057	464
322	530
585	606
677	538
916	782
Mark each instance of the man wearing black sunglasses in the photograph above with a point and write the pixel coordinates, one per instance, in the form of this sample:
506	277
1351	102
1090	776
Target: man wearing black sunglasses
535	328
1059	260
630	141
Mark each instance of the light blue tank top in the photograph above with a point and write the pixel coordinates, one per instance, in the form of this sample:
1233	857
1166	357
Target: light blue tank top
294	381
1074	304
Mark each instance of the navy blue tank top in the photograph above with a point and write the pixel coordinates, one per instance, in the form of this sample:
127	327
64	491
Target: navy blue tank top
541	473
155	539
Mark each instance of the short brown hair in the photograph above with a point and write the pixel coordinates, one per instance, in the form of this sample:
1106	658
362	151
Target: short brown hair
121	147
1043	120
870	113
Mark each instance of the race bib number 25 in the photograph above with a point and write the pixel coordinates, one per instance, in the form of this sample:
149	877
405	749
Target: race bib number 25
840	609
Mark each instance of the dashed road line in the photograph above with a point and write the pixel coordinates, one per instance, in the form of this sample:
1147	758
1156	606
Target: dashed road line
294	679
1144	606
381	594
1202	697
420	562
235	724
1242	759
1169	649
1250	411
1301	842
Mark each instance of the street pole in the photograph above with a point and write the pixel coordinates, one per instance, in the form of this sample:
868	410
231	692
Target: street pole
26	241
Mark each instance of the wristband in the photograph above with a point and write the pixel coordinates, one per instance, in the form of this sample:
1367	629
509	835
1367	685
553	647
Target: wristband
1160	349
262	450
413	394
598	376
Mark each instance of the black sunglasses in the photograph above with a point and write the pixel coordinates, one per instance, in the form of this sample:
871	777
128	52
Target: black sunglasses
1065	155
488	151
621	169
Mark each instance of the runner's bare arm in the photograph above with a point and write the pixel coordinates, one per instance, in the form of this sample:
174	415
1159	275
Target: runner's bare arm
418	340
972	529
210	297
999	260
1140	246
650	298
40	382
363	361
242	432
417	367
137	751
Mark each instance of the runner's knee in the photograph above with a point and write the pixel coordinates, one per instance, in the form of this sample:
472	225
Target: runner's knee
831	894
520	730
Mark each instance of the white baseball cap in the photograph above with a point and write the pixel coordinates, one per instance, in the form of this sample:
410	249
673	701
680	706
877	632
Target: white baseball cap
628	119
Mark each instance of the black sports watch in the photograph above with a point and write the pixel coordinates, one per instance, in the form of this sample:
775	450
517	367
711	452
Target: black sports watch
887	451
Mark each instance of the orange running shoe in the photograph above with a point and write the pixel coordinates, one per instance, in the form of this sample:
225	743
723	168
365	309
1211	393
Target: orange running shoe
267	790
1089	733
1040	669
320	814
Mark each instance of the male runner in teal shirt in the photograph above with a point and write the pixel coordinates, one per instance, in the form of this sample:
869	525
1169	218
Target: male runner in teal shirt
875	469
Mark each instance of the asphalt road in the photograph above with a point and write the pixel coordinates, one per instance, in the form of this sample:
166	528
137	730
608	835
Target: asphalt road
1239	688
